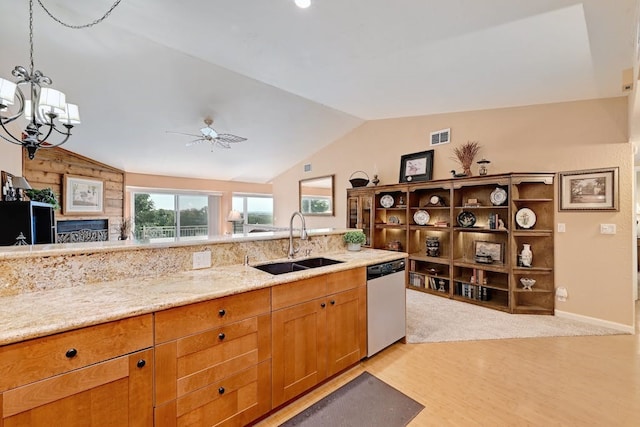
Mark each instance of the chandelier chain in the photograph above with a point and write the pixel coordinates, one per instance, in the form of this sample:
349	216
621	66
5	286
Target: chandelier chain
31	35
77	27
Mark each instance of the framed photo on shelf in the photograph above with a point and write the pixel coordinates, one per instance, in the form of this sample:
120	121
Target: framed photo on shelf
83	196
589	190
489	250
416	166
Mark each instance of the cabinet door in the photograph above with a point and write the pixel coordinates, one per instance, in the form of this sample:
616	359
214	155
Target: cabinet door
299	349
117	392
346	329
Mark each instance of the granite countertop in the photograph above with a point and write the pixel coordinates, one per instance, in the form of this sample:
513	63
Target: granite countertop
38	314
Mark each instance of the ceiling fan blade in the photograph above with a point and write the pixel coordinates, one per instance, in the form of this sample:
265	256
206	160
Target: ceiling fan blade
228	138
195	141
182	133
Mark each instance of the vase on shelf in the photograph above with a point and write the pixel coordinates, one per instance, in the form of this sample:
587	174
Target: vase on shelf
526	256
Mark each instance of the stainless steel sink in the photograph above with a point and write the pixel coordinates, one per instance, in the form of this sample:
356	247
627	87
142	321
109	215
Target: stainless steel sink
298	265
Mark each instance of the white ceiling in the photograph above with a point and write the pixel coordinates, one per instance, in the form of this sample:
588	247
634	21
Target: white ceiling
293	80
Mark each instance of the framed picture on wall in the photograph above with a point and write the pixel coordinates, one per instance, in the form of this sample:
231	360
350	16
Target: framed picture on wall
416	166
82	196
589	190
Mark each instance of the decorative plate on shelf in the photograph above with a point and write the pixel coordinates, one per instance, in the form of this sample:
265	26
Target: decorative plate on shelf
466	219
393	220
421	217
436	200
498	196
386	201
525	218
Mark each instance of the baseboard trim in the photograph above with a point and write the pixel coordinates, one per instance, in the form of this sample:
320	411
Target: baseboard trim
598	322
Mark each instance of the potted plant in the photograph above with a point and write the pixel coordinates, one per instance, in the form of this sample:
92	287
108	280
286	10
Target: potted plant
125	228
46	195
354	239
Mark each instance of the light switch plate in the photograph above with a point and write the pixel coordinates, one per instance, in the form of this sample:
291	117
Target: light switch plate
607	229
201	259
562	227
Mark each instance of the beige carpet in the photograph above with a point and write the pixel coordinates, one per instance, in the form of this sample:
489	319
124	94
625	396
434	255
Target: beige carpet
436	319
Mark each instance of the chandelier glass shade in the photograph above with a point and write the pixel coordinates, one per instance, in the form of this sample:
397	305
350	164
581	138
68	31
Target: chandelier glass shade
45	109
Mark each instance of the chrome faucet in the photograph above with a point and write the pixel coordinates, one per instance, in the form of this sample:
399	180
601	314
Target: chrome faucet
303	234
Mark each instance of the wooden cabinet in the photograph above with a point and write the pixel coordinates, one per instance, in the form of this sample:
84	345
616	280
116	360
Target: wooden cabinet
34	220
95	376
391	218
319	329
534	192
360	211
465	217
213	361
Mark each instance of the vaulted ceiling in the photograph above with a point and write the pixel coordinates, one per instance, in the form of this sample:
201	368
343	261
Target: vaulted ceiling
294	80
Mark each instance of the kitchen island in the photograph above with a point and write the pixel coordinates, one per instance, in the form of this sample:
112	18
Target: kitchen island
157	342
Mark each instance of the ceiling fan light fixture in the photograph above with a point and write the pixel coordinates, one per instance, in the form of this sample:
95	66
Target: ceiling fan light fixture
303	4
210	132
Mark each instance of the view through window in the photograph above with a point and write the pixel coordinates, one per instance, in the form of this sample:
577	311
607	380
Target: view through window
170	216
255	210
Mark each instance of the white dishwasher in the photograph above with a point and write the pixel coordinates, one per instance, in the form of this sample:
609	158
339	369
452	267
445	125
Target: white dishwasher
386	305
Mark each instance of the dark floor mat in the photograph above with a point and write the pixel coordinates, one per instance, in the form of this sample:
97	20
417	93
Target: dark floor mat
364	401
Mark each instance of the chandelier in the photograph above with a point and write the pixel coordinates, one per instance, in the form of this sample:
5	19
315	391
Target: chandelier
46	110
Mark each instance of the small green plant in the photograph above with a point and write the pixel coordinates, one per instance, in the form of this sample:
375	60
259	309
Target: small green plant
46	195
354	237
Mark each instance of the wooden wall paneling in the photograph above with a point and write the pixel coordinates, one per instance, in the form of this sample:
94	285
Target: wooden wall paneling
47	170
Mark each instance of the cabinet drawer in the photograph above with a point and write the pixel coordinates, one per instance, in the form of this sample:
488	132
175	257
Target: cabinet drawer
196	361
191	319
235	400
293	293
40	358
345	280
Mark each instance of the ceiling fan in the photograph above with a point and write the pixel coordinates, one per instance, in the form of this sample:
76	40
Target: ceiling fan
210	135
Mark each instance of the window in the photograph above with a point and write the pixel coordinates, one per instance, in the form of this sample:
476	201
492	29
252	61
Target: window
255	210
160	216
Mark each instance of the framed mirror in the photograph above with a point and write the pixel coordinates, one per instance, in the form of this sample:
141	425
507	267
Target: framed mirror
316	196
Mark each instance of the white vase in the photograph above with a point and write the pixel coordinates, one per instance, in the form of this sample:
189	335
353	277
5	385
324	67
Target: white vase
353	246
526	256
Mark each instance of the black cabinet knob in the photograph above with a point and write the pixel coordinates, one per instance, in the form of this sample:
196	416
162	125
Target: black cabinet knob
323	305
141	363
222	312
221	336
333	302
221	390
71	353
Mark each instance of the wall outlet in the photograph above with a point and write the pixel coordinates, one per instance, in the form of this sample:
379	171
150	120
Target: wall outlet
201	259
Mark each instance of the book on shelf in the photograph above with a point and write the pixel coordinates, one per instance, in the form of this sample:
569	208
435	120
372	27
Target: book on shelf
416	280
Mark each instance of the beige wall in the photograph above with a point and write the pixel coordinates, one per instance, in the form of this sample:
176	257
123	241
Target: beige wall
10	158
597	270
225	188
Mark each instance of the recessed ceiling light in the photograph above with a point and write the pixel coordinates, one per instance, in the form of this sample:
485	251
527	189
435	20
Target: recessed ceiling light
303	4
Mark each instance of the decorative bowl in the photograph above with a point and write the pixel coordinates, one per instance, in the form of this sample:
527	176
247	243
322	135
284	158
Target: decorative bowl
527	283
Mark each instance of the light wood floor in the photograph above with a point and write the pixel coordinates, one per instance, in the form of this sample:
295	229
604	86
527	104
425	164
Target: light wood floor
560	381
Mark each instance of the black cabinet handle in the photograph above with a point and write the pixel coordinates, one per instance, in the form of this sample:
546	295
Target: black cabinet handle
141	363
71	353
221	336
333	302
222	312
221	390
323	305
